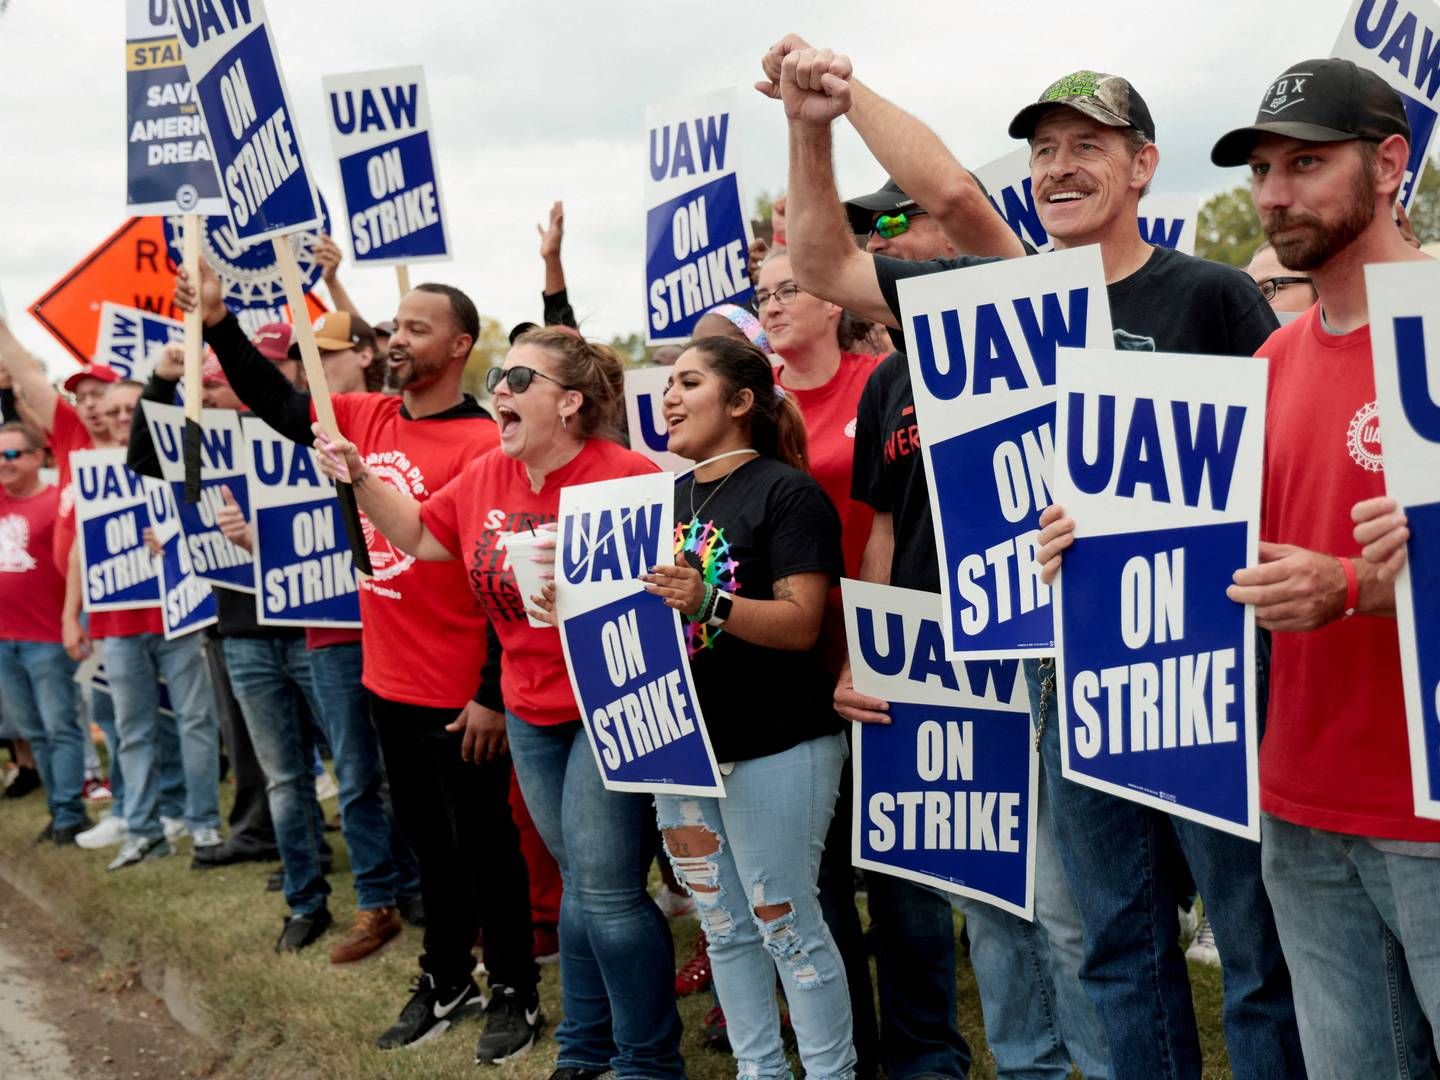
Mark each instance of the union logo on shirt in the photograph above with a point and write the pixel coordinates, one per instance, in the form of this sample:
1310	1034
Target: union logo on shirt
393	467
850	427
1363	438
15	557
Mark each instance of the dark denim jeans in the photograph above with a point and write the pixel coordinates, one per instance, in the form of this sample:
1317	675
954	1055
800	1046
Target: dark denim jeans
1115	853
617	962
365	819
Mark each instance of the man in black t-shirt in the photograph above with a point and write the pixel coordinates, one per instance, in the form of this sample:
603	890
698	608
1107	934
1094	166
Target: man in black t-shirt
1092	158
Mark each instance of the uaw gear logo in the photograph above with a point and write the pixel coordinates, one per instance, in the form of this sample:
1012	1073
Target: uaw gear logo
1079	84
249	276
14	542
394	468
1285	91
1363	438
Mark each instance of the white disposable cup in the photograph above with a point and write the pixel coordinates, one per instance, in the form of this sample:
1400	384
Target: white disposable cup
531	577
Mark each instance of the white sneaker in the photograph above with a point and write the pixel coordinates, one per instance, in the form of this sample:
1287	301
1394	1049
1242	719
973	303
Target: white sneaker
1203	949
206	836
174	828
326	787
108	833
674	905
1189	922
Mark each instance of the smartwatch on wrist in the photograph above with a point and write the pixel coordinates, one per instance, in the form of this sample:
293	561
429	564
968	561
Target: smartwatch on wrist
724	604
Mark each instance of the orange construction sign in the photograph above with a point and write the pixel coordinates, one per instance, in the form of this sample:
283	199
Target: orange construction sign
131	267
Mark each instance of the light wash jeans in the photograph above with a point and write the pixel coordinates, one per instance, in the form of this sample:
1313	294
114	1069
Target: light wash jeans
1038	1018
37	694
753	871
134	665
1361	932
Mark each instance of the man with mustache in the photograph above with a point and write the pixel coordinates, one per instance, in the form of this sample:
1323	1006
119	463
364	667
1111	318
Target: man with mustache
1092	157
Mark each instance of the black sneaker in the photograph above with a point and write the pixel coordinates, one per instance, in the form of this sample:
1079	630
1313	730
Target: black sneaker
47	834
302	930
66	837
23	783
511	1023
572	1072
412	910
429	1012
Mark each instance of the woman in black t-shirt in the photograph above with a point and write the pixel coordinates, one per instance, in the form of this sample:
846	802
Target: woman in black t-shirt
757	550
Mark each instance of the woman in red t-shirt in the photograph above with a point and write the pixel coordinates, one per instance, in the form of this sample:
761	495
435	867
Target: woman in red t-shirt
558	400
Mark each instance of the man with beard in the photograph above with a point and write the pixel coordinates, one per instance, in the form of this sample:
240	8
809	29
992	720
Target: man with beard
423	645
1092	157
1351	871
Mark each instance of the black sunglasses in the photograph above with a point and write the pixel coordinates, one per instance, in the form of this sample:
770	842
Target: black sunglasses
518	378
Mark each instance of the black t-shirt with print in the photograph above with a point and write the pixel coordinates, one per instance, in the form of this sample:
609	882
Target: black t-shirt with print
1174	303
768	521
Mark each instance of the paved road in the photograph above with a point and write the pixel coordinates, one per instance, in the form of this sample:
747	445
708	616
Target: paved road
31	1048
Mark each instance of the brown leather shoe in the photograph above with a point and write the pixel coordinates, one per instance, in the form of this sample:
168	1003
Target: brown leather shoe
372	929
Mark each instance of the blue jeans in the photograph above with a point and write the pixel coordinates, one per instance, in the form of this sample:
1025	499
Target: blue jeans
365	818
1117	855
617	961
270	677
1355	921
37	693
134	666
751	860
1038	1018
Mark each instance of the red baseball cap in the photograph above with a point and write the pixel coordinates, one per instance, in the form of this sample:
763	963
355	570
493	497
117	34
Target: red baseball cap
91	371
273	341
210	370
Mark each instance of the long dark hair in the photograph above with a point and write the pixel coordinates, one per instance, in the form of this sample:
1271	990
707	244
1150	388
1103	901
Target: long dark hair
777	429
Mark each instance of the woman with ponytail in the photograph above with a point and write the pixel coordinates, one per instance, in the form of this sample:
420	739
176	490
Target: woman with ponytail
558	401
758	549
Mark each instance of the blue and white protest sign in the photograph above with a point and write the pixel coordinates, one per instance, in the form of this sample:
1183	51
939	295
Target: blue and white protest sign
118	571
645	415
982	363
232	61
223	463
249	274
170	167
380	129
187	603
1158	461
697	228
1170	221
623	646
130	338
1405	345
304	571
946	793
1400	41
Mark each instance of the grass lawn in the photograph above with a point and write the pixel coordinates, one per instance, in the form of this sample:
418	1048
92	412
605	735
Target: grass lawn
297	1016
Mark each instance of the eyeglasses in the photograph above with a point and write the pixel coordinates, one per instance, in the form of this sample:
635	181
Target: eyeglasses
783	295
1272	285
892	225
518	378
14	455
120	410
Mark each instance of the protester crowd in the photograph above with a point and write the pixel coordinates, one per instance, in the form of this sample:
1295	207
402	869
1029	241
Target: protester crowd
470	801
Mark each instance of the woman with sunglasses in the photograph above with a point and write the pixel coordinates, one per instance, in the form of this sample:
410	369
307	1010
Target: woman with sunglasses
758	549
557	400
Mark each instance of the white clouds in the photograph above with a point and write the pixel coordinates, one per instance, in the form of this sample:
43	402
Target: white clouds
539	101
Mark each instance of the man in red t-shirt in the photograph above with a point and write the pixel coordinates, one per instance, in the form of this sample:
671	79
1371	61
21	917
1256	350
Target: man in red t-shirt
37	678
423	640
1350	870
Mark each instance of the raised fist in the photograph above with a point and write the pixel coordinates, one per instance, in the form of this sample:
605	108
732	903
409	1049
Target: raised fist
815	85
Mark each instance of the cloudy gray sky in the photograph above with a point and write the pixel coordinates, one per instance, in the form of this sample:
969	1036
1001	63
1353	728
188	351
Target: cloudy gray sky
538	101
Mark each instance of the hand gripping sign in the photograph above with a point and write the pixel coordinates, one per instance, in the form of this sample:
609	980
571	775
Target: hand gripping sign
118	572
645	416
187	602
697	231
623	647
1405	343
223	464
304	572
1158	461
380	129
945	794
982	363
1400	41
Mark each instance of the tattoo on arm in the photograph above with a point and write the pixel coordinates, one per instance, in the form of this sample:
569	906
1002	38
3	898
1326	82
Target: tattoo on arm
782	589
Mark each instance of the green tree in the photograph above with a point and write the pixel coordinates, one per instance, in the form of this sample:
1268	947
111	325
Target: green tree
487	352
632	348
760	219
1229	229
1425	207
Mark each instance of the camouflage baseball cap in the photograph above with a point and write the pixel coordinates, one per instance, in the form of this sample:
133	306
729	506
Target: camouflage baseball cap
1106	98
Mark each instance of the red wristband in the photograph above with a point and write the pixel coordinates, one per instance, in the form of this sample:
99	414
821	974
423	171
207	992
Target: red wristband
1352	586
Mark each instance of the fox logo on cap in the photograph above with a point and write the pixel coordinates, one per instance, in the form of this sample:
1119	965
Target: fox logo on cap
1285	91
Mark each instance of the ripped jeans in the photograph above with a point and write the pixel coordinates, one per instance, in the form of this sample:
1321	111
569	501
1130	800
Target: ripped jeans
751	861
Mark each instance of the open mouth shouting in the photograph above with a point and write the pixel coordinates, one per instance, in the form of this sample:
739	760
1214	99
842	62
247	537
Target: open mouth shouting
509	420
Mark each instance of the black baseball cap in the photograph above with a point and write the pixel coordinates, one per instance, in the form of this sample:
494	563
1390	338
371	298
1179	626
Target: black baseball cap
1319	101
888	200
522	328
1106	98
